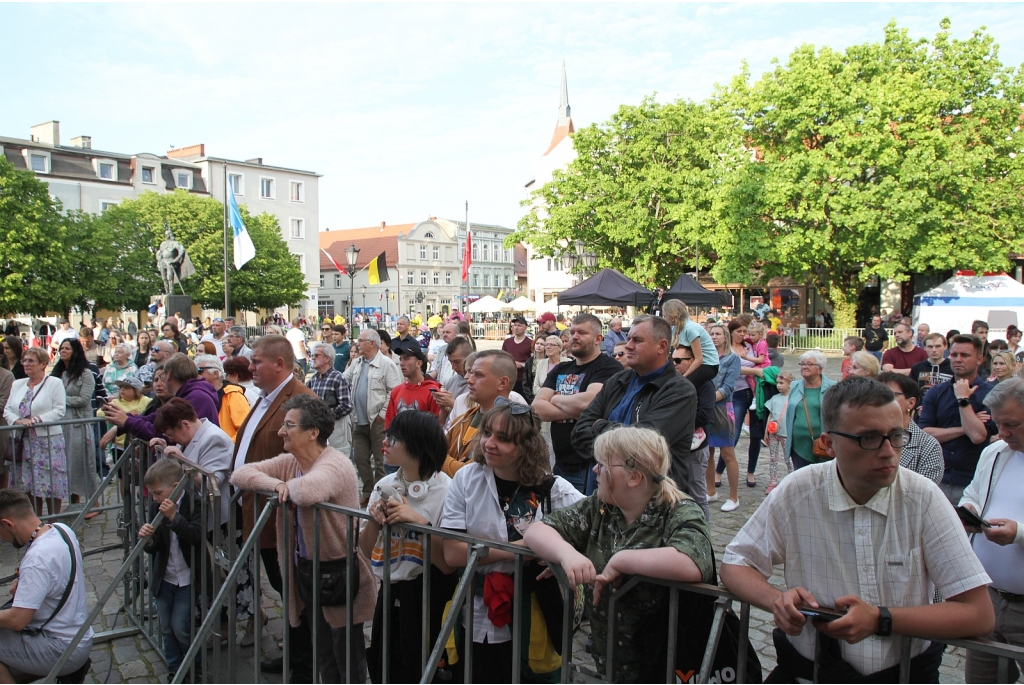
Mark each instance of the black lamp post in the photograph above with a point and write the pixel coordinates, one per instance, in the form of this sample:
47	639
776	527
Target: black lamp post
364	301
352	254
387	297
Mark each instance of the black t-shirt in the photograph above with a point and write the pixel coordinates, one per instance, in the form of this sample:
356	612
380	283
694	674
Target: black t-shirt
520	503
927	374
570	378
874	338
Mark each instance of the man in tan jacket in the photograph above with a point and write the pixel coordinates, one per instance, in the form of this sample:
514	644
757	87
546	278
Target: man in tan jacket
271	366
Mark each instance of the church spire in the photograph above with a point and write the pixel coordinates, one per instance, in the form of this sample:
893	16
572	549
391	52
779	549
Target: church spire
563	102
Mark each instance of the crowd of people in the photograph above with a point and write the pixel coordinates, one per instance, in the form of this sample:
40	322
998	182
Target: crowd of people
890	493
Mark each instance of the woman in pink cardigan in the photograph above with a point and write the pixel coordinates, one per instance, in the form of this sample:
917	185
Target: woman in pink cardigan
310	472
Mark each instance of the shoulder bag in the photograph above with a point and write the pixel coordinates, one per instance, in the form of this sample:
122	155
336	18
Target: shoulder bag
818	447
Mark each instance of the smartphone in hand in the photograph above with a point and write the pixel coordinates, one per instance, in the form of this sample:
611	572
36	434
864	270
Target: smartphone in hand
969	518
821	613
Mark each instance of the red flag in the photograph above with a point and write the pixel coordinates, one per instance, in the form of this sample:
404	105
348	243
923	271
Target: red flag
337	266
467	254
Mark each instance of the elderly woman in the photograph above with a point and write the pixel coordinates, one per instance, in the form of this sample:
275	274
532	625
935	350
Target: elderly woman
922	453
864	364
79	385
803	413
13	349
308	473
40	462
120	366
638	523
236	370
233	406
506	487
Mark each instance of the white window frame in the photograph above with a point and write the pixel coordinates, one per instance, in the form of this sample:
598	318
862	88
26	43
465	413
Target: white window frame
291	228
98	164
188	174
487	280
241	183
107	204
423	251
423	278
475	250
152	175
447	277
30	153
301	194
323	280
487	252
437	278
410	277
302	262
337	280
437	253
476	280
273	188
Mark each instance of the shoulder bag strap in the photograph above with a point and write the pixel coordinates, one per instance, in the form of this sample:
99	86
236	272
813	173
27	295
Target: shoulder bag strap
71	581
807	414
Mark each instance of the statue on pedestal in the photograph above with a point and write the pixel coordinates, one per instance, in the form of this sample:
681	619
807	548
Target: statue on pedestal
172	262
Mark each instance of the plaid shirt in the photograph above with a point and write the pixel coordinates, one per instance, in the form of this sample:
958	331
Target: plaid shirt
333	384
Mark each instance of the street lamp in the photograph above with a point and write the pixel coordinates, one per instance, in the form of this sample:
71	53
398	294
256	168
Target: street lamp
352	254
364	301
387	297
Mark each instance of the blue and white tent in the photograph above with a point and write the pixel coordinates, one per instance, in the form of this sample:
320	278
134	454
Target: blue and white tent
964	298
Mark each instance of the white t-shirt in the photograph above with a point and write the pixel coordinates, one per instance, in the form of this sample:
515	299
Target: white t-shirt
777	406
60	336
216	343
1003	562
407	545
298	340
44	574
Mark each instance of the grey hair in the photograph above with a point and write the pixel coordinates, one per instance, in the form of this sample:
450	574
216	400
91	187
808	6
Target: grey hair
124	347
817	357
660	328
210	361
371	335
237	330
1010	389
853	393
403	316
328	350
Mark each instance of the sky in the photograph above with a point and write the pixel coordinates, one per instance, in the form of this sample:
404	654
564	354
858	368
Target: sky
407	110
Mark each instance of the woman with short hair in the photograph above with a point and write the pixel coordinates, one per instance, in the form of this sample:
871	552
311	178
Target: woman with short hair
1003	366
236	370
864	364
120	366
803	413
308	473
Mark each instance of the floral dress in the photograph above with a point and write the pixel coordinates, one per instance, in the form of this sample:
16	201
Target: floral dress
44	471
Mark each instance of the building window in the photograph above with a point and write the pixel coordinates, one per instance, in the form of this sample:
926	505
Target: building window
325	309
549	265
428	234
423	278
408	278
39	163
106	204
476	251
437	278
337	280
237	184
423	251
147	174
447	277
106	171
558	265
437	253
321	280
486	251
476	280
508	255
183	179
508	283
302	262
487	280
298	191
267	188
298	229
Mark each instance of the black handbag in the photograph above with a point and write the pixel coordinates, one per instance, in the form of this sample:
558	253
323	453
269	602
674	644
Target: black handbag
333	575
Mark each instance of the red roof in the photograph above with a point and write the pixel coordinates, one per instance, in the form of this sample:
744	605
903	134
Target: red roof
560	134
368	249
327	238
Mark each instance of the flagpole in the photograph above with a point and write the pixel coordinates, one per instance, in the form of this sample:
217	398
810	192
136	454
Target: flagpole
227	297
465	246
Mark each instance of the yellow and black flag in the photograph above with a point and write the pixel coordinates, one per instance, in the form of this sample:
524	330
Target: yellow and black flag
378	269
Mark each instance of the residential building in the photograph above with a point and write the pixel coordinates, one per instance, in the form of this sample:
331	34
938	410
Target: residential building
547	276
92	180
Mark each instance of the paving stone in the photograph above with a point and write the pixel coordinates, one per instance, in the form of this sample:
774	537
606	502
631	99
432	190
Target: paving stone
134	669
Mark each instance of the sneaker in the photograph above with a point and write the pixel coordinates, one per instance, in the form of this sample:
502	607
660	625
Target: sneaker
731	505
713	498
745	429
698	437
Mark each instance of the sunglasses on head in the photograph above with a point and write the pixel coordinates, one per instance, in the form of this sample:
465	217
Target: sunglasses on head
516	408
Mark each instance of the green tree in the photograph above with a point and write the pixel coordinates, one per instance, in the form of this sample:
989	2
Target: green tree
271	279
34	261
885	159
639	194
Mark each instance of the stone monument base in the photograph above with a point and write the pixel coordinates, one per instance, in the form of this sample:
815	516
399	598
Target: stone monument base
179	303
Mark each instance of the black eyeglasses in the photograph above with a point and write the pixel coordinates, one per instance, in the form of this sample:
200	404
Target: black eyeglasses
516	408
874	441
680	360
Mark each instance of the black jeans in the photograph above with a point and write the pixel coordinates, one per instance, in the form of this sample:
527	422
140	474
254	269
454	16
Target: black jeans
300	640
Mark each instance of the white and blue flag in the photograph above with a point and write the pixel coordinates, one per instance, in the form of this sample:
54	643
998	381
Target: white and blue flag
244	249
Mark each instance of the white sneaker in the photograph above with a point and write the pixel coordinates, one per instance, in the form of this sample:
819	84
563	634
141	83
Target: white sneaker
698	437
713	498
745	429
731	505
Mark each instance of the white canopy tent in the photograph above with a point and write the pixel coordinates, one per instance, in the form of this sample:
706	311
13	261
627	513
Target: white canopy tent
549	306
964	298
520	304
485	305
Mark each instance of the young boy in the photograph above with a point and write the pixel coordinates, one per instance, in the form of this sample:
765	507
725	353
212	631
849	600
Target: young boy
174	544
850	345
774	355
777	406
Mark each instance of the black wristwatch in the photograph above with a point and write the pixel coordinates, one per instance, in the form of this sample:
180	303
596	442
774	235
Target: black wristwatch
963	401
884	622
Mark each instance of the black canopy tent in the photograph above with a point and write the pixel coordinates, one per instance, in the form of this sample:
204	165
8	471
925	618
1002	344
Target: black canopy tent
687	289
606	288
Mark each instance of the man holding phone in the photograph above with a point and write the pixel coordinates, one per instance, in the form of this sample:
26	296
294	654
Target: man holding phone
863	535
994	496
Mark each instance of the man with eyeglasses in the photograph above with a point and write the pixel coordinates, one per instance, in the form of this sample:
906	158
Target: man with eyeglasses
330	386
236	338
861	534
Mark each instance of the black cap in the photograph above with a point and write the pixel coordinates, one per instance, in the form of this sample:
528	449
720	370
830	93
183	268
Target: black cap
411	350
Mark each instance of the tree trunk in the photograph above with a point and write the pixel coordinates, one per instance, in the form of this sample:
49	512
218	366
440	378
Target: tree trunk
843	299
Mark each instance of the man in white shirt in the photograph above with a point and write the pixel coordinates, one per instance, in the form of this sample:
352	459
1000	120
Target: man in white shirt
867	537
440	366
236	338
36	631
216	336
65	332
298	340
994	494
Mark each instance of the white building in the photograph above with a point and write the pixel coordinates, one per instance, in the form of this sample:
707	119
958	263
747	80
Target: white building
92	180
546	276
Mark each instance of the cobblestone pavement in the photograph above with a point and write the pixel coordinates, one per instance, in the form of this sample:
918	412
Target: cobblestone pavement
134	660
